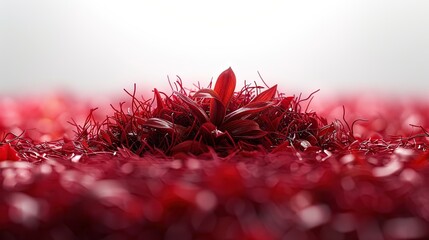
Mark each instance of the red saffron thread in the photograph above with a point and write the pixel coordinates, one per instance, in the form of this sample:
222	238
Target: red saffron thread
194	121
269	157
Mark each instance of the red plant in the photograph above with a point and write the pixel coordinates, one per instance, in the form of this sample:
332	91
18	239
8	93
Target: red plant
219	119
319	180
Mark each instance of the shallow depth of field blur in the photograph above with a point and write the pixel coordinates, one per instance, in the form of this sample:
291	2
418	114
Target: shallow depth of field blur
96	48
60	58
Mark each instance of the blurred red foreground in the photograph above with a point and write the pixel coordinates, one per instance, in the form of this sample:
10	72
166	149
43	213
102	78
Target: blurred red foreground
286	195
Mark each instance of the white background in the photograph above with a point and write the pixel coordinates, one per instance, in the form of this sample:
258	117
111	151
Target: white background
99	47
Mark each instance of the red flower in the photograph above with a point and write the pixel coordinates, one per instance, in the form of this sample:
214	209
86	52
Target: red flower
220	119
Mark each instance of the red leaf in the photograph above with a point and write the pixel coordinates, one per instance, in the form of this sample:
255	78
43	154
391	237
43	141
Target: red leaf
196	110
162	124
243	128
217	112
218	115
285	103
225	86
159	104
266	95
207	93
251	108
207	129
8	153
276	121
210	132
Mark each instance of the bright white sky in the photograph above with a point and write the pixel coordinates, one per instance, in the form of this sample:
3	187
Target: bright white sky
101	46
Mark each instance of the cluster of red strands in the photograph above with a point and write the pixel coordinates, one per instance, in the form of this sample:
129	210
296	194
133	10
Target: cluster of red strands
214	164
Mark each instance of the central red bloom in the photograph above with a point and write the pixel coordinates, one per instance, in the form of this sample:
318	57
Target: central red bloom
219	119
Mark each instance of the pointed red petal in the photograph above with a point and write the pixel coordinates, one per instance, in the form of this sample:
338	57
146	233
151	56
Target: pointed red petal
207	93
254	107
217	108
244	129
159	104
266	95
217	112
159	123
196	110
285	103
207	129
225	86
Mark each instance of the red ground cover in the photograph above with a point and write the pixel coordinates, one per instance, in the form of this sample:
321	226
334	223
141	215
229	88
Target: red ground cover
214	164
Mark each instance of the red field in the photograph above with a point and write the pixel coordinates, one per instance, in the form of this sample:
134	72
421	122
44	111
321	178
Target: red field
214	164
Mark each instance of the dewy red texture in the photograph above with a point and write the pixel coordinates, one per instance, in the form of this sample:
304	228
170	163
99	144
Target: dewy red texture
214	164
